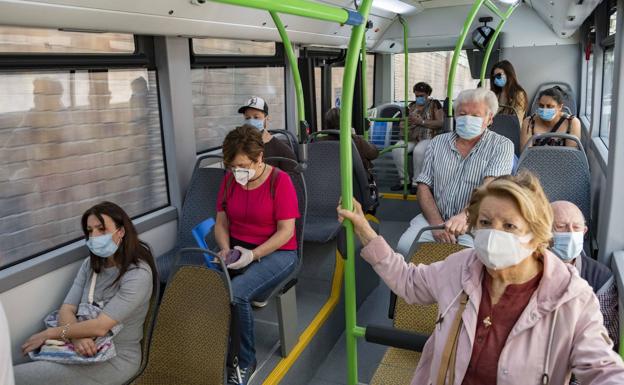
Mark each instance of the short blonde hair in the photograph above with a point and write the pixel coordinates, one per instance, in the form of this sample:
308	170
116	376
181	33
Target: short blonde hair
526	191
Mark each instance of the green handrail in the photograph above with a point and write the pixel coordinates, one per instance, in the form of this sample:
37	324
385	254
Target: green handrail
292	59
352	331
458	47
305	8
406	102
490	46
504	16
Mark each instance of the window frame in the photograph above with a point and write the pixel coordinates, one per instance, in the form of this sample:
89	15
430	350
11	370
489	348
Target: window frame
238	61
143	57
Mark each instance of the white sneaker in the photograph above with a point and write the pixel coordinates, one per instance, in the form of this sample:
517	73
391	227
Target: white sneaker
259	304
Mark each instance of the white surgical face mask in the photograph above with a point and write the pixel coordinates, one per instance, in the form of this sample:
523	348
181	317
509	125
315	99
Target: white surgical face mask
499	249
568	246
468	126
103	245
243	175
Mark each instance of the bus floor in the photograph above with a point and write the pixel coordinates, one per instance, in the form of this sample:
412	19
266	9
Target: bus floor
324	359
373	311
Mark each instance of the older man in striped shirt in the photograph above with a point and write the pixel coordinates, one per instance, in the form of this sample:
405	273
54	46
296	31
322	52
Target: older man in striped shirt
455	164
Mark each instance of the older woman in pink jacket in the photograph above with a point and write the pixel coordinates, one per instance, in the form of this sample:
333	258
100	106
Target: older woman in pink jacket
511	312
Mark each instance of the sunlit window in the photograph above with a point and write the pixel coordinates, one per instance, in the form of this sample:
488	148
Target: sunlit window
38	40
233	47
607	95
69	140
432	68
219	92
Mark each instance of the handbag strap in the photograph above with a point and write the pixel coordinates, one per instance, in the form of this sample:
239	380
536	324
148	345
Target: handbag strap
92	288
447	365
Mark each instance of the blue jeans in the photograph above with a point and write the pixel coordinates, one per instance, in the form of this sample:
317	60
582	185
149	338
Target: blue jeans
259	278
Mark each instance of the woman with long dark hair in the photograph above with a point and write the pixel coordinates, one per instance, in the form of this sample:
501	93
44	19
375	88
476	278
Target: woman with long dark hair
121	268
550	117
512	98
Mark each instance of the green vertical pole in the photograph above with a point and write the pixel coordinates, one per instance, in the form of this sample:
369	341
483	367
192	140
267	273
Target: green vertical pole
364	89
490	46
294	66
406	103
346	181
458	47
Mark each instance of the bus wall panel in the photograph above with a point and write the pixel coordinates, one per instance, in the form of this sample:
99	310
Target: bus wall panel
537	65
27	304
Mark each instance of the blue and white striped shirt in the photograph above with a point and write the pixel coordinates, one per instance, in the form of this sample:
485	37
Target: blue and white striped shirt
453	178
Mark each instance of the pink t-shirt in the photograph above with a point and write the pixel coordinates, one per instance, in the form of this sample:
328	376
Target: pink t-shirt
253	214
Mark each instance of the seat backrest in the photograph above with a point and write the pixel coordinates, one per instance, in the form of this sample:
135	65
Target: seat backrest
509	127
569	99
391	110
563	171
323	169
199	202
290	139
296	175
361	186
421	318
190	339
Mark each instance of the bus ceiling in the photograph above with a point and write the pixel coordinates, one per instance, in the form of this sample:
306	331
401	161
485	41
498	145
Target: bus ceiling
433	23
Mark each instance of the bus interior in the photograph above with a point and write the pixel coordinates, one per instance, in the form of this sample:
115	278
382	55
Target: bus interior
129	101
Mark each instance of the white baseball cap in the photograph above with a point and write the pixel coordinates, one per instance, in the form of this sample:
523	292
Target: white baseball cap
256	103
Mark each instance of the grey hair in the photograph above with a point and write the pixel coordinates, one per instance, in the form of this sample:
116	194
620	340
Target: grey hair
477	95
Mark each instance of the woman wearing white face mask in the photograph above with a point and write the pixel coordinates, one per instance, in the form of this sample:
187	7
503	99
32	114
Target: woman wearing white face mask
520	315
550	117
256	211
121	271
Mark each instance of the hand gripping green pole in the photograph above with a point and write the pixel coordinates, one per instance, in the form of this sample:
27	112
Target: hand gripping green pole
406	106
458	47
490	46
294	66
352	331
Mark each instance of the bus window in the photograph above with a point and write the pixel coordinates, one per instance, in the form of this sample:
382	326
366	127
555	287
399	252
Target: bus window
37	40
219	92
432	68
607	100
71	139
338	73
222	82
589	86
233	47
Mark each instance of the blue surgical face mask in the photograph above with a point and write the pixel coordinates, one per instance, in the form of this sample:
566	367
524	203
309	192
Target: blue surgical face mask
103	245
421	100
546	114
567	246
500	81
468	126
258	123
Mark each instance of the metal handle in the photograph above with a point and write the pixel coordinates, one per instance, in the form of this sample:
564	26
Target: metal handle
554	135
427	228
214	258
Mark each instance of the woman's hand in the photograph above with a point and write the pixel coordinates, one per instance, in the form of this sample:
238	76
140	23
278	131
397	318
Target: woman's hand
245	259
35	341
457	225
85	347
362	228
223	253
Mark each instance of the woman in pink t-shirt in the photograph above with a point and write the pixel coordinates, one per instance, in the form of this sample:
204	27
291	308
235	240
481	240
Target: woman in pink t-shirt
256	211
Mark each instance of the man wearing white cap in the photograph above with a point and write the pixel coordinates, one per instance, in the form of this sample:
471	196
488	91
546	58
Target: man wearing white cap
256	113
